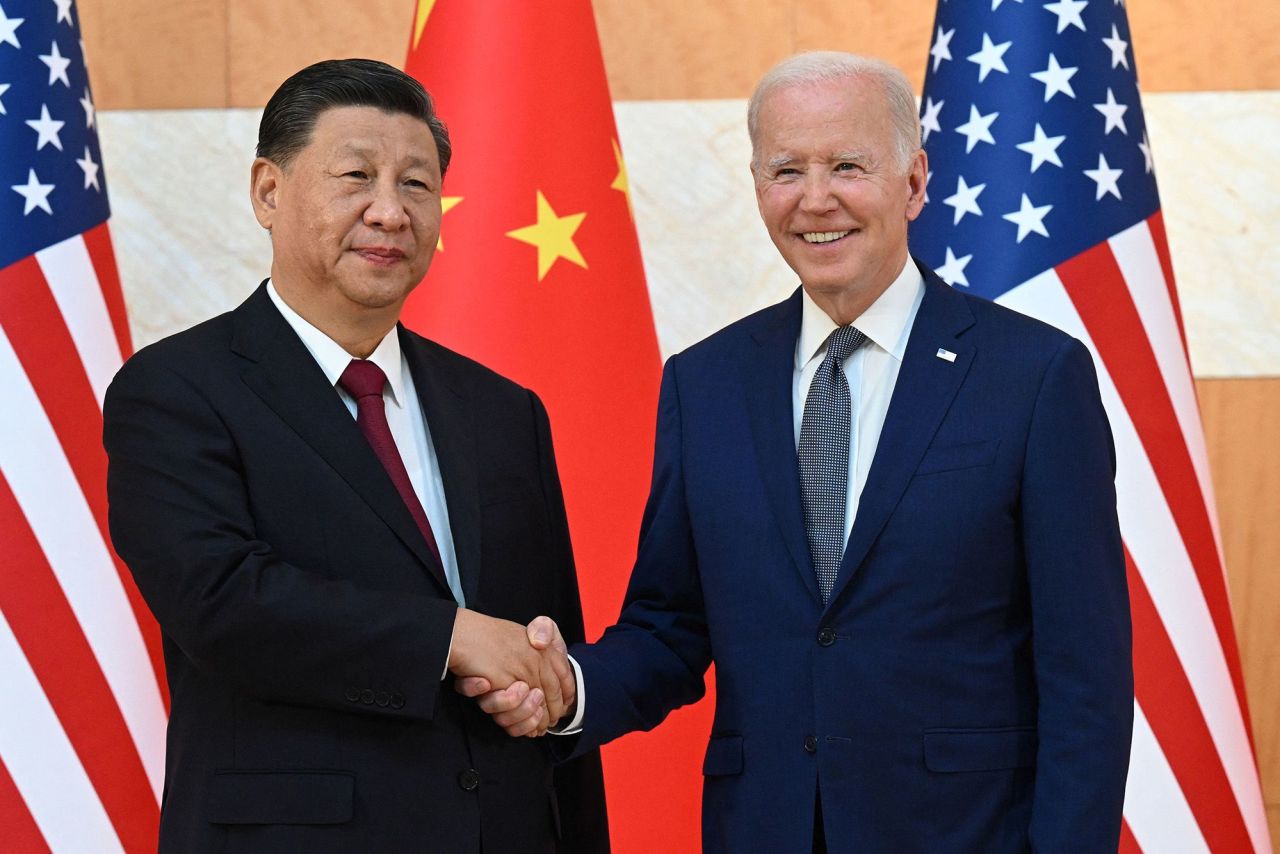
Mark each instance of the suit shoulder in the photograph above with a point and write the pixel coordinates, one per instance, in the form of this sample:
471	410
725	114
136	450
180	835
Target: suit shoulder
189	350
1001	324
729	340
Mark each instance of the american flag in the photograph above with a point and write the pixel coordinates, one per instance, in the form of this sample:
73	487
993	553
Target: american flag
83	717
1042	196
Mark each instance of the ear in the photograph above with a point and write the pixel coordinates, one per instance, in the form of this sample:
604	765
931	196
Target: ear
755	181
265	178
917	177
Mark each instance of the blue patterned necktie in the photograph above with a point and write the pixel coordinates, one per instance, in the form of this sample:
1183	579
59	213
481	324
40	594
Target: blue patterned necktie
824	457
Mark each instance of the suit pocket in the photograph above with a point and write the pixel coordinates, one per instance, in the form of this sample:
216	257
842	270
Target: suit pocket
724	756
952	750
280	797
953	457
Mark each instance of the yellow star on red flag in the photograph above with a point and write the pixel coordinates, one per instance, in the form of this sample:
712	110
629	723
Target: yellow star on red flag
553	235
447	203
620	183
420	20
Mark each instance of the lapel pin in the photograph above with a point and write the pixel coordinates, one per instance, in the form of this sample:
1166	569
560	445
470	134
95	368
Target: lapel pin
946	355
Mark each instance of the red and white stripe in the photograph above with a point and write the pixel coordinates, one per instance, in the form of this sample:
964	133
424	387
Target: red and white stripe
1193	781
82	738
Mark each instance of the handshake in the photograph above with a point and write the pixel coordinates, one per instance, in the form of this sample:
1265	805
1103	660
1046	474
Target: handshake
520	675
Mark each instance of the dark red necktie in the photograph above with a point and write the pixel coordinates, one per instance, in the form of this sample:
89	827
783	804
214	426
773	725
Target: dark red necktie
364	381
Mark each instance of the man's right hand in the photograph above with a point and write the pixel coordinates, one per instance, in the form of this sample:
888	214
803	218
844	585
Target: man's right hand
502	654
515	708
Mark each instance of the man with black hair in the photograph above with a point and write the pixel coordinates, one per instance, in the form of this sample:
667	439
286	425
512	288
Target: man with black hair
332	517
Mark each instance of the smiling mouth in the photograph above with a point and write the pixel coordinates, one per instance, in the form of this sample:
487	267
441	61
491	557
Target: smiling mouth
824	236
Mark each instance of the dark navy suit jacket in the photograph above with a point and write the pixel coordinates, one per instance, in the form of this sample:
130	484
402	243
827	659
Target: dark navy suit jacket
969	685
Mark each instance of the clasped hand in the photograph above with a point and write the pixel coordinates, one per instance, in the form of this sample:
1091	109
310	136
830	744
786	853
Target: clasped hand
520	675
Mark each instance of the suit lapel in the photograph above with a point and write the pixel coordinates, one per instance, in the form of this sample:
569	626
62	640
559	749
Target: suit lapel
768	383
924	391
453	434
289	381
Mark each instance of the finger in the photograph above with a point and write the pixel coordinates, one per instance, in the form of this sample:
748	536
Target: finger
530	726
551	687
528	706
529	718
506	700
472	686
568	681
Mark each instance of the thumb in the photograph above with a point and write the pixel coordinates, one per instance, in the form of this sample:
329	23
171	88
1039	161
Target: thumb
541	632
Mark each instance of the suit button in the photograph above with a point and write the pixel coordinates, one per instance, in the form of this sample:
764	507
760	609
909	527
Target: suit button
397	701
810	744
827	636
366	696
353	694
469	780
382	698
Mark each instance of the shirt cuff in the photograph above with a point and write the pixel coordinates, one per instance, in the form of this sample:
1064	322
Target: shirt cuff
574	726
448	653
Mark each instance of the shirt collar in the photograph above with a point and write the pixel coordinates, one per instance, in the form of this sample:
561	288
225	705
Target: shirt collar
330	356
886	322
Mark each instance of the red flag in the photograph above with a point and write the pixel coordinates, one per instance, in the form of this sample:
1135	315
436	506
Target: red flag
539	276
82	728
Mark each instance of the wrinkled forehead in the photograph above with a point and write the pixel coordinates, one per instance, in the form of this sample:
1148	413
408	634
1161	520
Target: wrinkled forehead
839	117
372	132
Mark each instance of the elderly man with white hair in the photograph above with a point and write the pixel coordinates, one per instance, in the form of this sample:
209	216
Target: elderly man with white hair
885	511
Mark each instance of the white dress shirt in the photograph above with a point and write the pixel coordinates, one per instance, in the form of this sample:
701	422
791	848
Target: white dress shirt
404	417
872	373
872	369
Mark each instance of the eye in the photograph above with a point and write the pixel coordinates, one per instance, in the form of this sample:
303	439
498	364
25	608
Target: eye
786	172
846	166
416	184
358	174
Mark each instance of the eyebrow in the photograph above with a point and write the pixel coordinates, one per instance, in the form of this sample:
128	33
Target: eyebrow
368	151
853	156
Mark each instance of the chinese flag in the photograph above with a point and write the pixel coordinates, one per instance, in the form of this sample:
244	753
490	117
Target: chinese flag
539	277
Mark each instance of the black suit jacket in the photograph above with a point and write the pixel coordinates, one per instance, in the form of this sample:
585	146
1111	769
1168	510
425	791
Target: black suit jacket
305	623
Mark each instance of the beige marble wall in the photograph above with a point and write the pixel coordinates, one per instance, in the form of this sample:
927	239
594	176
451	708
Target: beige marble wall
1216	156
188	246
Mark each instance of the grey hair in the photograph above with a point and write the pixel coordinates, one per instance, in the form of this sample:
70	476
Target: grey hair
822	65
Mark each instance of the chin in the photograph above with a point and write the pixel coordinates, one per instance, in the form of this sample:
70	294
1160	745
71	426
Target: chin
380	294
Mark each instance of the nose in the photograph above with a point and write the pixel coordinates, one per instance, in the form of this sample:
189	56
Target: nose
816	195
386	210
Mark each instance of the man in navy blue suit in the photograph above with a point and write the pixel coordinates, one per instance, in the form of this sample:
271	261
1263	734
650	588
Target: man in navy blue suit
886	511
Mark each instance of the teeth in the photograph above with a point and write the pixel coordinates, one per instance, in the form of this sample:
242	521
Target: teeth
823	236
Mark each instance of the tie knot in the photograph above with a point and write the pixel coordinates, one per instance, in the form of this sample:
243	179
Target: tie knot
363	378
843	341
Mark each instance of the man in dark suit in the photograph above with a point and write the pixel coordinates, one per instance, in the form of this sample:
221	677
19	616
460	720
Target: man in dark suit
885	510
330	515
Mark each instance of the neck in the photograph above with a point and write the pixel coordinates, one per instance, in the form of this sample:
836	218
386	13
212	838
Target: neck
355	328
845	305
844	308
